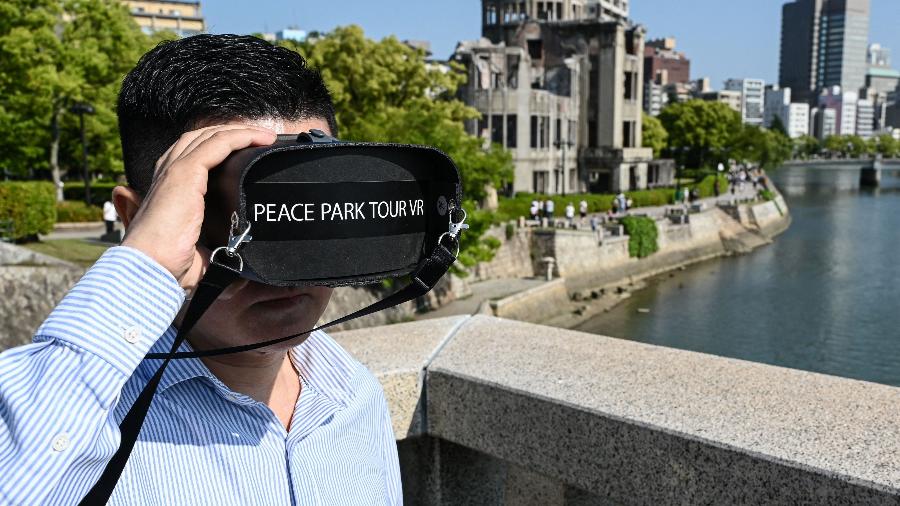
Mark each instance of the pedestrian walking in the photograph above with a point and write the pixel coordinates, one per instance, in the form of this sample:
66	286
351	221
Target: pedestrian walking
549	208
534	209
583	209
570	214
110	216
716	186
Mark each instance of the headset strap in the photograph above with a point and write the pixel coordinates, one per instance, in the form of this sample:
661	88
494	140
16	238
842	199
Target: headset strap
214	282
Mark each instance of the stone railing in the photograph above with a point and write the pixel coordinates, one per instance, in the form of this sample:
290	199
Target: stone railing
492	411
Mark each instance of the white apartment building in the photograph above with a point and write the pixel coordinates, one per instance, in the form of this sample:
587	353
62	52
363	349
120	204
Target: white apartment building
794	116
752	99
865	118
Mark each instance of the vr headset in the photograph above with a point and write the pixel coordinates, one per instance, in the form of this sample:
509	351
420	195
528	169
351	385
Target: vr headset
312	210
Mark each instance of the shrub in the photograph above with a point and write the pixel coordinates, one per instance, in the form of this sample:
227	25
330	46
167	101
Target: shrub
100	191
77	211
707	185
642	236
510	231
27	208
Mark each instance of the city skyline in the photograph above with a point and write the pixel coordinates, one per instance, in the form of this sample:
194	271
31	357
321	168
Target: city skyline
710	44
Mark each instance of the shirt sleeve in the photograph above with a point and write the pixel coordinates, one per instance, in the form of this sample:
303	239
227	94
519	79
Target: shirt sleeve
58	393
393	485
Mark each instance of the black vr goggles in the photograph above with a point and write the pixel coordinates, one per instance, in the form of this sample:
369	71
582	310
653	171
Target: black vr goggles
312	210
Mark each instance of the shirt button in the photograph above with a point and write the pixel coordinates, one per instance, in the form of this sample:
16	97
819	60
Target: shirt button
132	334
60	442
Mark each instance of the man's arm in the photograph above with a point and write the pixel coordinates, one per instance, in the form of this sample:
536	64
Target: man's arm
393	485
57	395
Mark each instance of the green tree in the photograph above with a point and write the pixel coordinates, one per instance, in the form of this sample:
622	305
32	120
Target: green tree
768	148
778	126
654	135
886	145
856	146
806	146
54	53
834	144
700	132
385	91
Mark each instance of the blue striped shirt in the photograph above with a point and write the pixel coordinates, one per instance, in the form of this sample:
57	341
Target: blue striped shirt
62	397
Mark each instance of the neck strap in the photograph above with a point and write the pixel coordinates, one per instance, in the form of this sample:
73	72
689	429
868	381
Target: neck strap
216	279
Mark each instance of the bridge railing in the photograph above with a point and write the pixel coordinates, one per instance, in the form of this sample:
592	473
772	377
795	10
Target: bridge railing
491	411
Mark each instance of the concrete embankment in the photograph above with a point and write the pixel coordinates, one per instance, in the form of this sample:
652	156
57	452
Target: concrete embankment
588	265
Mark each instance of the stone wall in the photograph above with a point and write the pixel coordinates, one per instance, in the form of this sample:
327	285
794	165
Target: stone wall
32	284
512	259
495	412
536	304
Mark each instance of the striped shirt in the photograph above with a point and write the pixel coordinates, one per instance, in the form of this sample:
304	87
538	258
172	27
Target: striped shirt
62	398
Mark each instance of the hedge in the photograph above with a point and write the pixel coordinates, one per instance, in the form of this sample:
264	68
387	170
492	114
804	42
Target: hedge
520	205
77	211
642	236
27	208
100	191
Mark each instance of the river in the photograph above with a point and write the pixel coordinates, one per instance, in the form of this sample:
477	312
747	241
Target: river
825	297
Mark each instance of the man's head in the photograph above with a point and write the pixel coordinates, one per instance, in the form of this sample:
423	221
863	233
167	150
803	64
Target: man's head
208	80
205	80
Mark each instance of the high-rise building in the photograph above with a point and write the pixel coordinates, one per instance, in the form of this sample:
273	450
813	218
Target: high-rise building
843	103
794	116
865	118
179	16
560	84
663	64
825	123
823	43
752	99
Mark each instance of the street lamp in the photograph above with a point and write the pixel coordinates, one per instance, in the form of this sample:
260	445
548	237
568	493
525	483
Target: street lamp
81	109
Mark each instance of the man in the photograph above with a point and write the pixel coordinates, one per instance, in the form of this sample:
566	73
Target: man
549	206
109	216
300	423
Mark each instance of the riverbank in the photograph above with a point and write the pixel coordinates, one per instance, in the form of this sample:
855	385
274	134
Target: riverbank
593	275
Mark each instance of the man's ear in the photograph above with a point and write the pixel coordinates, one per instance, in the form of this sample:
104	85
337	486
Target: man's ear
127	202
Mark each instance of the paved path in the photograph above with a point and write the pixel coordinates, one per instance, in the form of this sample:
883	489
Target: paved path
93	232
492	289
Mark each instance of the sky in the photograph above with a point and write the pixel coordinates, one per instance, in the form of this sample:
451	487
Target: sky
723	38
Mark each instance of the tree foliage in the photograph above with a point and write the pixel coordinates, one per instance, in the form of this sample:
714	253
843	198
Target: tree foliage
54	53
849	146
654	135
806	146
700	132
703	133
385	91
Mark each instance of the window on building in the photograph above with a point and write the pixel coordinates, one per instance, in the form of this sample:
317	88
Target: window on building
557	136
573	138
534	132
628	131
512	71
545	132
629	86
592	133
536	49
559	11
511	131
540	181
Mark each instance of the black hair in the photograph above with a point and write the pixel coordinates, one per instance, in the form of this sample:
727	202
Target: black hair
183	84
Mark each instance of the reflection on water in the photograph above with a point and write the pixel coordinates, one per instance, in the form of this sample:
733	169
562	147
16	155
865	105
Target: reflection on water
824	297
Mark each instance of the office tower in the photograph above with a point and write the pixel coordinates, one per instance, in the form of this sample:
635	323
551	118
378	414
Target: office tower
823	43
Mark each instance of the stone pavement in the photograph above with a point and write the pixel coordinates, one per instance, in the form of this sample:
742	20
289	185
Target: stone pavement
85	231
482	291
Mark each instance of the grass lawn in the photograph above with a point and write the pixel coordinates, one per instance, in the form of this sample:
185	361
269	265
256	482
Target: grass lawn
77	251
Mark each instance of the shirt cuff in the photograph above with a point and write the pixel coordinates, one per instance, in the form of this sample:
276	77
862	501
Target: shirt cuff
118	309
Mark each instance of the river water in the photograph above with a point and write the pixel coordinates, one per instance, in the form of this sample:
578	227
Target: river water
824	297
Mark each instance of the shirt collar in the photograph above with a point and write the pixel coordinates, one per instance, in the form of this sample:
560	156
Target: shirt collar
320	361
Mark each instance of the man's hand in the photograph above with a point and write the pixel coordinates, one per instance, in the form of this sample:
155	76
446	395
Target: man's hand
167	224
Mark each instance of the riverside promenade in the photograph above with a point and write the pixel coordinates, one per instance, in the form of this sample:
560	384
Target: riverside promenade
597	271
